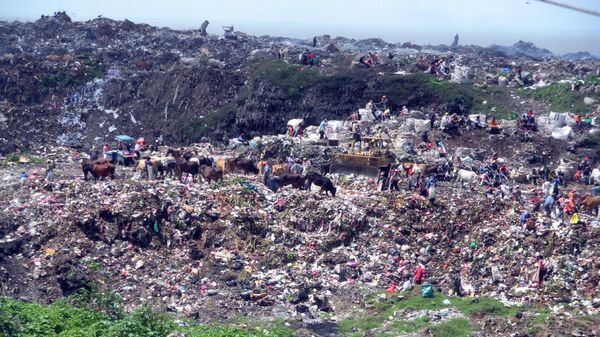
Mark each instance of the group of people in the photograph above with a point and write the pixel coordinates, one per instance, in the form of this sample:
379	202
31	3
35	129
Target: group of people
379	111
494	173
527	121
556	204
555	199
416	180
124	148
369	59
453	123
308	58
439	68
583	175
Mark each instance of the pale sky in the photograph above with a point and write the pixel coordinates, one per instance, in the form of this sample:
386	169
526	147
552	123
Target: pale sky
480	22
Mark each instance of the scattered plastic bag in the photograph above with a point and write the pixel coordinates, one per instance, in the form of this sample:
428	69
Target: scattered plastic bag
563	133
427	291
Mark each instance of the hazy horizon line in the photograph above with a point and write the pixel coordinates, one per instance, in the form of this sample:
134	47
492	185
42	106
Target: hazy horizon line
419	33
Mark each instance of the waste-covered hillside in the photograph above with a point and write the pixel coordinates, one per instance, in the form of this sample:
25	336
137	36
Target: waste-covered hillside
76	83
328	186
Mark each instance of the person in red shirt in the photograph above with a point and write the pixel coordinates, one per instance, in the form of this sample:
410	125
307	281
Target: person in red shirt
577	176
536	202
568	207
571	195
418	274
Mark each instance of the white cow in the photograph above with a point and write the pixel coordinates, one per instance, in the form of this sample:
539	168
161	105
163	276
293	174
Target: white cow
595	176
465	176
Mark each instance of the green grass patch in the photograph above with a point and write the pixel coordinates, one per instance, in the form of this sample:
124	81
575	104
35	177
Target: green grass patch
292	79
402	327
296	82
63	77
466	305
593	80
59	79
384	306
560	97
20	319
426	88
16	157
274	327
452	328
361	324
540	318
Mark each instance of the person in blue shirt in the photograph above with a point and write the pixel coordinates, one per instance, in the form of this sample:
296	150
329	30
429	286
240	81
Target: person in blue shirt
266	173
555	183
431	184
548	202
431	181
524	217
22	177
322	128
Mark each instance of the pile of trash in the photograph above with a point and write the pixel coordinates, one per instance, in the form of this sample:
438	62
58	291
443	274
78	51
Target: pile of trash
236	246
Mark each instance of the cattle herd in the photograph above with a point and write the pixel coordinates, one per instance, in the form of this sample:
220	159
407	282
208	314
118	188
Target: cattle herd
180	164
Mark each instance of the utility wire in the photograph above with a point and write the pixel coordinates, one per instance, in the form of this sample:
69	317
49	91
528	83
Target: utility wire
578	9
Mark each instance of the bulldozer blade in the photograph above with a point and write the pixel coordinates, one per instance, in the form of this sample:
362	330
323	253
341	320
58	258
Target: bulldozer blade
367	171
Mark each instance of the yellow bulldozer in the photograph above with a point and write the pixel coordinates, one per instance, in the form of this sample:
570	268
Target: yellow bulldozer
369	162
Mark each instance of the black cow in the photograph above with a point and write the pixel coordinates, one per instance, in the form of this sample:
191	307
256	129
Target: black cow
321	181
296	180
244	165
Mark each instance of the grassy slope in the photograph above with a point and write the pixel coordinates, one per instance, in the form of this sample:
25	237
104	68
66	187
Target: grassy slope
21	319
560	98
413	89
296	80
378	318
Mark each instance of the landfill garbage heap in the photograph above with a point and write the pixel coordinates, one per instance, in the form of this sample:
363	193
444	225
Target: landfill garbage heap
237	247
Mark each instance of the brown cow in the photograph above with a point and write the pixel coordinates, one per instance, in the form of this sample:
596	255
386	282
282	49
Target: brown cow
183	164
53	58
222	164
592	203
88	164
260	165
174	152
210	173
103	170
275	168
279	168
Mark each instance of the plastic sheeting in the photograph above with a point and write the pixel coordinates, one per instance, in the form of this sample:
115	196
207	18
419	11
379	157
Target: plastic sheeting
562	133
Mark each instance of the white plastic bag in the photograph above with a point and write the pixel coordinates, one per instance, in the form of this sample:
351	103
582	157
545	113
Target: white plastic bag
563	133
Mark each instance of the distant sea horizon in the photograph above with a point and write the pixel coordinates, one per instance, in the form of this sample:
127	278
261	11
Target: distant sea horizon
557	43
